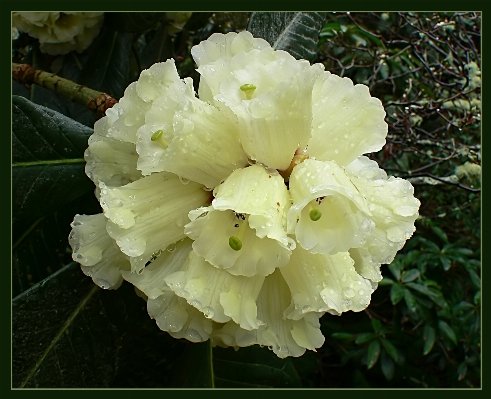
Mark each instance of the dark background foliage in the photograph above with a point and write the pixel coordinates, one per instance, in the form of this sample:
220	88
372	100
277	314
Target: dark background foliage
422	328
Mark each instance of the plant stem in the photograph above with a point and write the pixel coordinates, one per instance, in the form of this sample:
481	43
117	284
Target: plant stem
94	100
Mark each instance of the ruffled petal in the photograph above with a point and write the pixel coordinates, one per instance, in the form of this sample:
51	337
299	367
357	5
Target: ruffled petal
324	283
218	294
347	122
98	254
392	204
324	188
285	337
219	46
149	214
250	206
269	91
109	160
156	80
152	279
174	315
127	116
197	141
276	121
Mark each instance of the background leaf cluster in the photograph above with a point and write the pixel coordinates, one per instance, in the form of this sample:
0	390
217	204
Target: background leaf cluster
422	328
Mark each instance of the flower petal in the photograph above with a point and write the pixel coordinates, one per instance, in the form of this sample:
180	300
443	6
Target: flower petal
269	91
347	122
180	320
218	294
109	160
152	279
98	254
149	214
392	204
285	337
324	187
126	117
324	283
197	141
219	46
251	206
156	80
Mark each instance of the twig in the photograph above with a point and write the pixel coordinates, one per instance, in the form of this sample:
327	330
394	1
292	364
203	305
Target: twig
94	100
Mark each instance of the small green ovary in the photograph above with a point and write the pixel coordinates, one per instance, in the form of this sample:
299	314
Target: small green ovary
315	215
235	243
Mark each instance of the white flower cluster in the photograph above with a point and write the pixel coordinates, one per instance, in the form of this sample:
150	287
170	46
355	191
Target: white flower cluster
60	32
245	214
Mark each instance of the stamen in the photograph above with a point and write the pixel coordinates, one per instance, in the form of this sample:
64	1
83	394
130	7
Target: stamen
158	136
235	242
248	89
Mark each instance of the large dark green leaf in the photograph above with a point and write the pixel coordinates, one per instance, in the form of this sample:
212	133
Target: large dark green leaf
48	164
159	48
107	67
41	249
69	333
194	368
294	32
252	367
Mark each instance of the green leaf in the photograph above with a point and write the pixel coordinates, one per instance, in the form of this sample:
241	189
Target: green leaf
440	233
446	263
373	353
447	331
194	368
253	367
48	164
133	22
364	337
461	371
410	301
387	366
429	337
41	249
342	336
68	333
395	268
391	350
396	293
376	325
294	32
159	48
409	275
435	295
108	64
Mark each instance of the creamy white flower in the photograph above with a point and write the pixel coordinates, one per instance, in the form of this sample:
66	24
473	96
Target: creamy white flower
250	208
269	91
96	251
246	213
347	121
189	137
60	32
329	214
324	283
149	214
285	337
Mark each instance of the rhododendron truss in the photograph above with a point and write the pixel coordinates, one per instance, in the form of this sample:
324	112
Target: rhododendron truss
247	212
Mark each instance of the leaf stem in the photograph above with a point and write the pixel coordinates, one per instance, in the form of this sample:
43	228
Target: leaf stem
212	373
94	100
